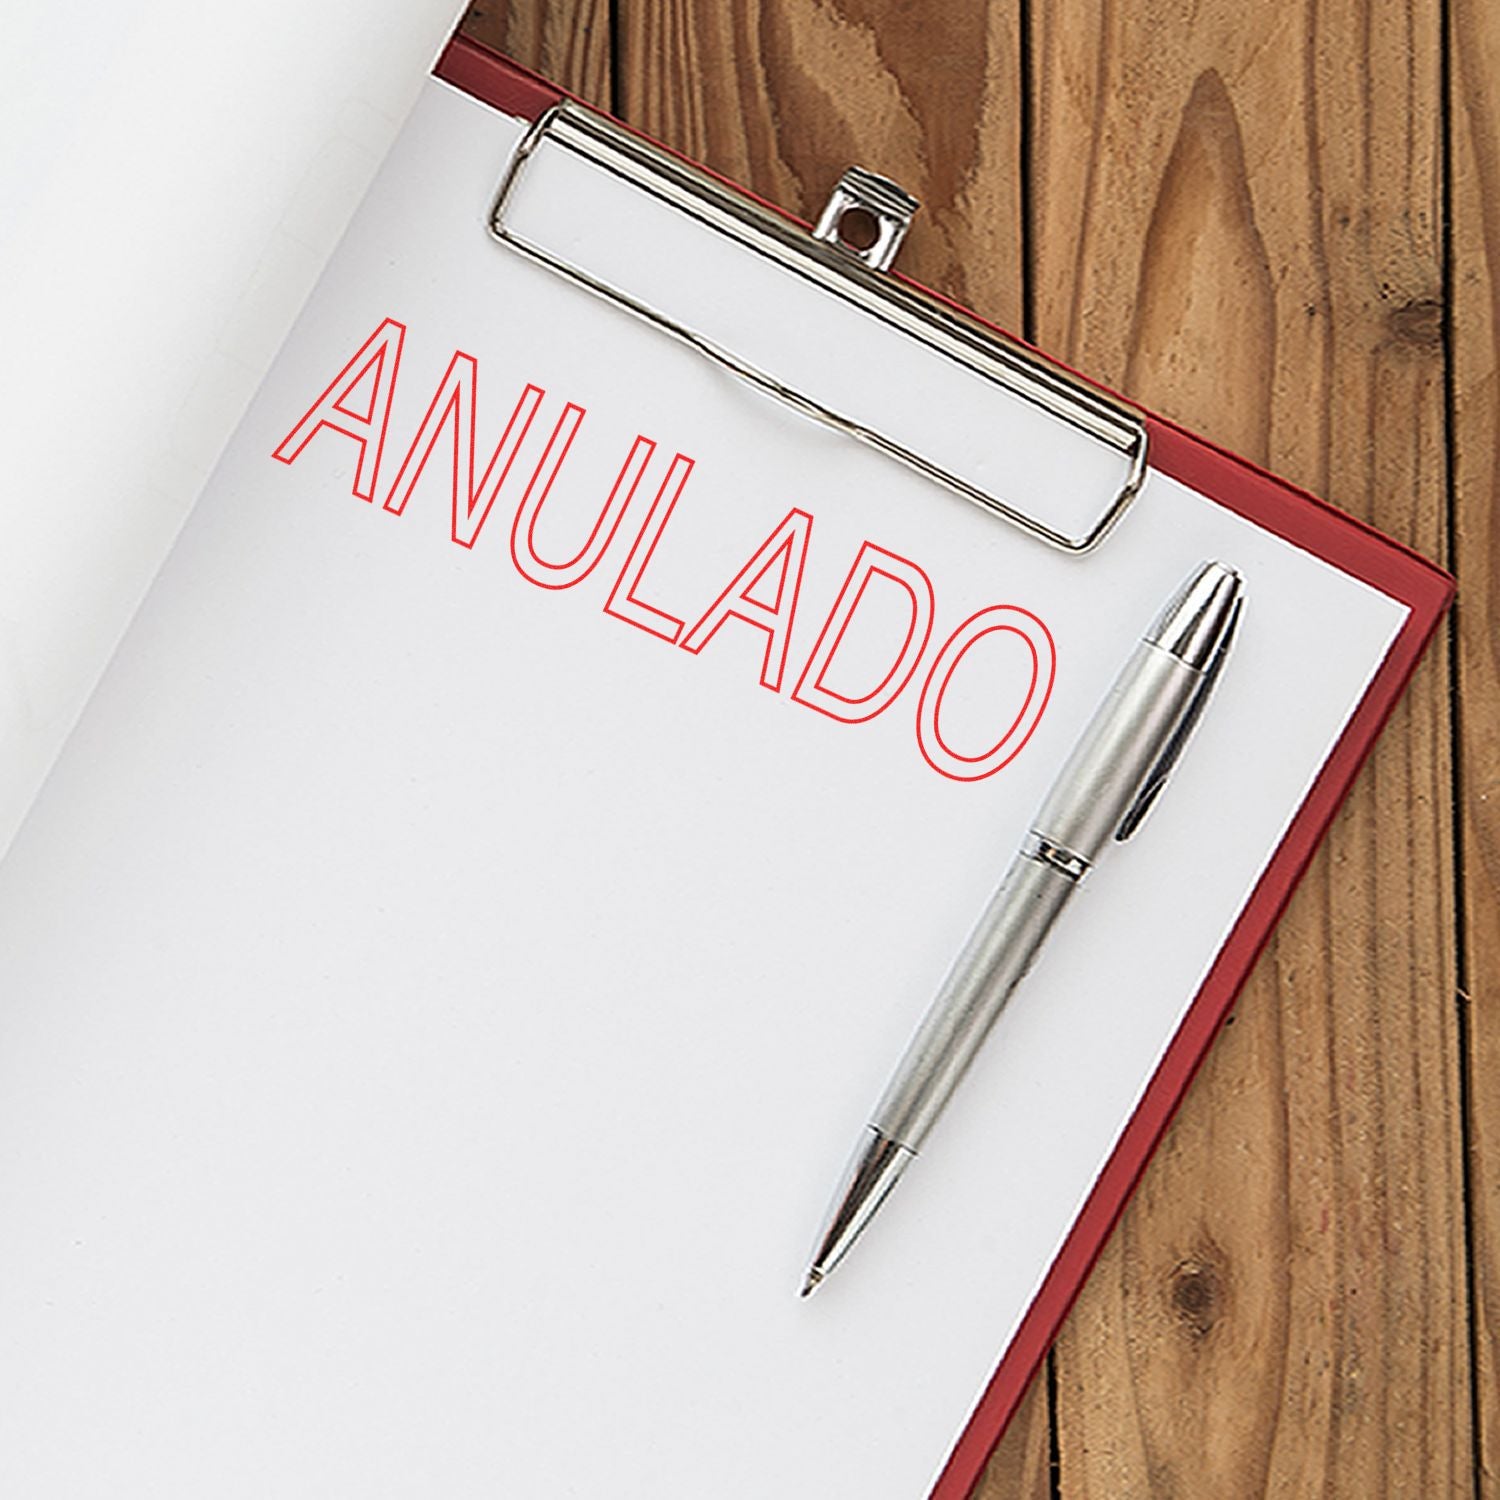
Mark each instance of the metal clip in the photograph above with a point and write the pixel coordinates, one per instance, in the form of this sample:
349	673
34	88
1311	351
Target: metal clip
867	217
848	258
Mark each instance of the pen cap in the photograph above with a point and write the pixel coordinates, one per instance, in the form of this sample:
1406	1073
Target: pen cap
1193	622
1141	725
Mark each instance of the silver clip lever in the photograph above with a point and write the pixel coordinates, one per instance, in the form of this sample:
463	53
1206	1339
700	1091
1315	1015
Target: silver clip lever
847	257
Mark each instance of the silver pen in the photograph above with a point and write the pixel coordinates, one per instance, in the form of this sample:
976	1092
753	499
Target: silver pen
1114	773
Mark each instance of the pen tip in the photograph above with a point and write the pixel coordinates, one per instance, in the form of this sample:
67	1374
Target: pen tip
813	1278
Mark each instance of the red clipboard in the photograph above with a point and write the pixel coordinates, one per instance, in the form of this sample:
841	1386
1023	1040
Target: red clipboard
1310	524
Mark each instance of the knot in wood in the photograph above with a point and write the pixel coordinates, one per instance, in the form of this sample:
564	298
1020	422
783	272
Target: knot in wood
1197	1293
1417	323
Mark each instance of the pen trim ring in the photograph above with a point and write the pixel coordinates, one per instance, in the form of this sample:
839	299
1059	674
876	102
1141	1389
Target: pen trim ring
1061	859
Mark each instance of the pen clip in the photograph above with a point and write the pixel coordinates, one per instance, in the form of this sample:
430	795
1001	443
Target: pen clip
1156	777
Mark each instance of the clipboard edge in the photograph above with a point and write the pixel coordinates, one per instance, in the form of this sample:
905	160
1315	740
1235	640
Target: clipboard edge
1427	590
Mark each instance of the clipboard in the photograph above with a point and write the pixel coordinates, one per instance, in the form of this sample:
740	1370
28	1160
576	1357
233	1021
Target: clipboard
1232	481
348	479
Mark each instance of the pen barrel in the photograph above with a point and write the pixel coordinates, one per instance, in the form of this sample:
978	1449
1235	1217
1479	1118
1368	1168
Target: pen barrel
994	960
1094	790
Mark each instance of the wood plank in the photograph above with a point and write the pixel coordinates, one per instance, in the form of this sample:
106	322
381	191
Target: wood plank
1021	1466
1237	220
1474	115
567	41
782	97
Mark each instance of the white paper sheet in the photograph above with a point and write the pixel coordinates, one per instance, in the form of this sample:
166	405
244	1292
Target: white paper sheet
437	1010
171	183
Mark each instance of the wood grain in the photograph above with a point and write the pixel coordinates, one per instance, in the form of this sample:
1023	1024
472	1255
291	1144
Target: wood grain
783	95
567	41
1474	116
1237	220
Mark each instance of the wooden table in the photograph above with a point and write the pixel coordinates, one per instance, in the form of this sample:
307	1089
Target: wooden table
1277	221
